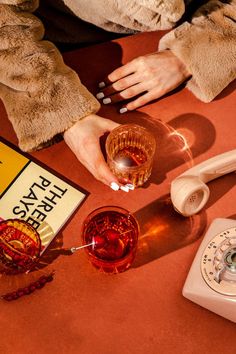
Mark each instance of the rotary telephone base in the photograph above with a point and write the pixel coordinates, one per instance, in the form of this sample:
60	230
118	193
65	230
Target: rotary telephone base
211	282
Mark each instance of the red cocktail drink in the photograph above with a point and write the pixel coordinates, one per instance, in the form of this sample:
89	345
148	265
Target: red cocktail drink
113	235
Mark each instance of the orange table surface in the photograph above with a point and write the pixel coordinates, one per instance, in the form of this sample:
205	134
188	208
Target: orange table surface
141	310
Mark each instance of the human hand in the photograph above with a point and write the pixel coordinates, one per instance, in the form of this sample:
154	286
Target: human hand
150	76
83	139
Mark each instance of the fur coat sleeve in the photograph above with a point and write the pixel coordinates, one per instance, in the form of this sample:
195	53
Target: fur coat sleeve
43	97
207	46
127	16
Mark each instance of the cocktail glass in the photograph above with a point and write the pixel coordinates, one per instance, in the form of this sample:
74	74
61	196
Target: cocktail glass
111	234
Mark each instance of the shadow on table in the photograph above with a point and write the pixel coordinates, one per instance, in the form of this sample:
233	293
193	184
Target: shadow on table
93	66
227	91
219	187
12	281
163	230
54	250
183	139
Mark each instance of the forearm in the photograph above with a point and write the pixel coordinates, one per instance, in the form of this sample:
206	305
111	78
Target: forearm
207	47
43	97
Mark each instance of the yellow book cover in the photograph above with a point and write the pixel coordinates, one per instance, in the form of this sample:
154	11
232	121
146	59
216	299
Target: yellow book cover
32	192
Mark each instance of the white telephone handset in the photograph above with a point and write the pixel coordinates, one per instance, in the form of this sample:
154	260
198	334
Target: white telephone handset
189	192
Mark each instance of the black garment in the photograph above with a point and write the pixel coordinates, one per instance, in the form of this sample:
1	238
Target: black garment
68	31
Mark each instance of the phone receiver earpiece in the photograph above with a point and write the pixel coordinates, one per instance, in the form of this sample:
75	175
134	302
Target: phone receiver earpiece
189	195
189	192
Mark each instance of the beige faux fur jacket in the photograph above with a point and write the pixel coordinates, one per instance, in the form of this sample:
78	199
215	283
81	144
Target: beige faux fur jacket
44	97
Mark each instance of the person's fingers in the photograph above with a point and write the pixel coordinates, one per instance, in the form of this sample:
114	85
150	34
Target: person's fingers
118	74
153	94
122	71
119	85
142	100
91	157
83	140
126	94
155	74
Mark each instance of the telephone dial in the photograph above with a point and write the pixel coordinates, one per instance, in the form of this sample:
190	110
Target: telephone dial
211	281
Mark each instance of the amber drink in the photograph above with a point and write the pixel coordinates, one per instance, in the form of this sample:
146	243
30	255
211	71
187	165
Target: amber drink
130	151
112	234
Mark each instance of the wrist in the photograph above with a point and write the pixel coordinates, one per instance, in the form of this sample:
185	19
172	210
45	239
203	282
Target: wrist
71	130
183	69
180	64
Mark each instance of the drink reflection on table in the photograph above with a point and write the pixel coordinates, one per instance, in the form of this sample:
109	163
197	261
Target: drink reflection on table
163	230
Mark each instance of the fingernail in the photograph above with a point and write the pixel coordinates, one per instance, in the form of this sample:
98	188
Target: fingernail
124	188
123	110
114	186
106	100
100	95
130	186
101	84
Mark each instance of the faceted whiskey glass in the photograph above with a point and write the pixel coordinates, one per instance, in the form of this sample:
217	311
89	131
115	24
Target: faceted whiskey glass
130	151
